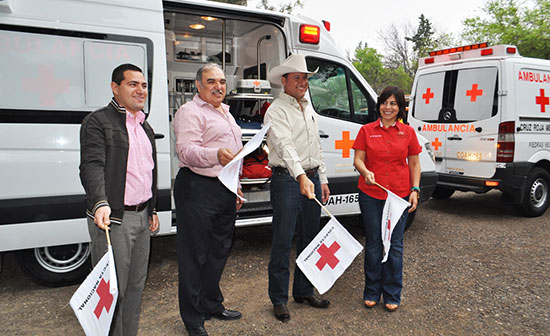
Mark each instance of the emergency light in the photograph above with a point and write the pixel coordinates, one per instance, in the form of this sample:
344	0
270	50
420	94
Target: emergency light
310	34
459	49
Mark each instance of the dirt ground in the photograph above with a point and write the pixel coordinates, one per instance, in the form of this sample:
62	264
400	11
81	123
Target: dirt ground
471	267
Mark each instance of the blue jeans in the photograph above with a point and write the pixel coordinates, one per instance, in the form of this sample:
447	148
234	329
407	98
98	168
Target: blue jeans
386	278
291	212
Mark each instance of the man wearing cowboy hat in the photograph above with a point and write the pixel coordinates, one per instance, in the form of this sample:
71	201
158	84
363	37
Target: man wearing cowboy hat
298	177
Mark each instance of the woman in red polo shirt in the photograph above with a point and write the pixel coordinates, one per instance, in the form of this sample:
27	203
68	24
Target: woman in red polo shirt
382	150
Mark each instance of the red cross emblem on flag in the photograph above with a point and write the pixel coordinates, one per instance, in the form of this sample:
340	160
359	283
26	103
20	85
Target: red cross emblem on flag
327	256
105	298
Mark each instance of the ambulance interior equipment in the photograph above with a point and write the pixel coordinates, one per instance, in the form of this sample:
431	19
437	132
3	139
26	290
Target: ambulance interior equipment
243	49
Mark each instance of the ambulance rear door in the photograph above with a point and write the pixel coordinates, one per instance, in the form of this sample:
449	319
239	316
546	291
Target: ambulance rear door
463	121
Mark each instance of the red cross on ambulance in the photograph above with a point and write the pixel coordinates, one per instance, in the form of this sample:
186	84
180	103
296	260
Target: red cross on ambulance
436	144
345	144
428	95
542	101
474	92
46	85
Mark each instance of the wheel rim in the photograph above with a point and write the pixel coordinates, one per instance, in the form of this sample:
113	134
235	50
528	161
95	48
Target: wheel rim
539	193
62	259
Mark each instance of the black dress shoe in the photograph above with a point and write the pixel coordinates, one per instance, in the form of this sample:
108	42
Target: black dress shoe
281	312
197	331
313	301
228	315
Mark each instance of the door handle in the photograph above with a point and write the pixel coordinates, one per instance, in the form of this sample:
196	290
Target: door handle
323	135
159	136
455	137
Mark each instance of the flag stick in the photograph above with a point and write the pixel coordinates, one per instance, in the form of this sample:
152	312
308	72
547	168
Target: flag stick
376	183
107	234
323	207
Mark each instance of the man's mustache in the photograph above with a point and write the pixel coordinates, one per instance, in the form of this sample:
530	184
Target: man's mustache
216	91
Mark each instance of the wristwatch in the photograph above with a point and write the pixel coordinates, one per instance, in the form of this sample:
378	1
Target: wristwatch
417	190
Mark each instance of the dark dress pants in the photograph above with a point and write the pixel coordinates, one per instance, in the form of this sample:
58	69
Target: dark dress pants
292	212
205	218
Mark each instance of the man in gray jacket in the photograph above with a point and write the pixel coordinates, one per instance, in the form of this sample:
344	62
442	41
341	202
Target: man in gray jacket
118	172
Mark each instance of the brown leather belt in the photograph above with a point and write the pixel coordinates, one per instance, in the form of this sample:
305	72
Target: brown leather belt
136	208
309	172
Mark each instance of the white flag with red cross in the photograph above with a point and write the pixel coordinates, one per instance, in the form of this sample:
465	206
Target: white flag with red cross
95	300
328	255
393	210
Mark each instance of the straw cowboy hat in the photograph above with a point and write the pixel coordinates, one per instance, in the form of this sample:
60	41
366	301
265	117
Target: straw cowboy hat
294	63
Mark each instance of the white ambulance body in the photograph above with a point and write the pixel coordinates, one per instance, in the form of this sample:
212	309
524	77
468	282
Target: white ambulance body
57	57
486	111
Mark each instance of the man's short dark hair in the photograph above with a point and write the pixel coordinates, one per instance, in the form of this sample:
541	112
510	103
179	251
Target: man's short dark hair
118	73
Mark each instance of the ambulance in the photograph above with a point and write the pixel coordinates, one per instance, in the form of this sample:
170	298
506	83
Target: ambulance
57	57
486	111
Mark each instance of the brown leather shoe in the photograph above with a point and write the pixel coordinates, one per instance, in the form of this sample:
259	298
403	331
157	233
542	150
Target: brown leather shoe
391	307
281	312
313	301
370	304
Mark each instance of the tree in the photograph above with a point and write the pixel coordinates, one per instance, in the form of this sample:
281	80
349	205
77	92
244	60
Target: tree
425	40
508	22
403	48
371	66
398	50
283	8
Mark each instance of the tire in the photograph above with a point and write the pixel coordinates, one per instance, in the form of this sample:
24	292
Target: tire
56	266
535	194
442	193
410	219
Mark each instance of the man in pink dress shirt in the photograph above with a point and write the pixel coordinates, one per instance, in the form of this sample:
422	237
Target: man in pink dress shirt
207	138
118	172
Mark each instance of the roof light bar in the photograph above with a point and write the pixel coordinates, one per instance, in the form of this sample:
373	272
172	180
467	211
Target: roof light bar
459	49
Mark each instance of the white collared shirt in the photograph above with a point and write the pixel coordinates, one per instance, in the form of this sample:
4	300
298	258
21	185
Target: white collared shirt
293	139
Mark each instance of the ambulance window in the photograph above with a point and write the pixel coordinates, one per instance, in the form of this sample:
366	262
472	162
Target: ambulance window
361	104
328	90
453	96
100	58
476	94
58	76
336	94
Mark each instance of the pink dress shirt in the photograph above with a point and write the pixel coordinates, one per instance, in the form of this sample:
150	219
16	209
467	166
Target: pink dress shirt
139	172
200	131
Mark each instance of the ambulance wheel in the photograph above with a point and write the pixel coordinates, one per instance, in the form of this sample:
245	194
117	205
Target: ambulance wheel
535	194
410	219
442	193
56	266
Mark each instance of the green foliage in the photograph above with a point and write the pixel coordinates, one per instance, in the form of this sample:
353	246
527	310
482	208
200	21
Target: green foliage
425	40
513	22
370	64
283	8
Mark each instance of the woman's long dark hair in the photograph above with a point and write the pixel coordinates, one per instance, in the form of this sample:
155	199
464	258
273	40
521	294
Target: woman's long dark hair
399	98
